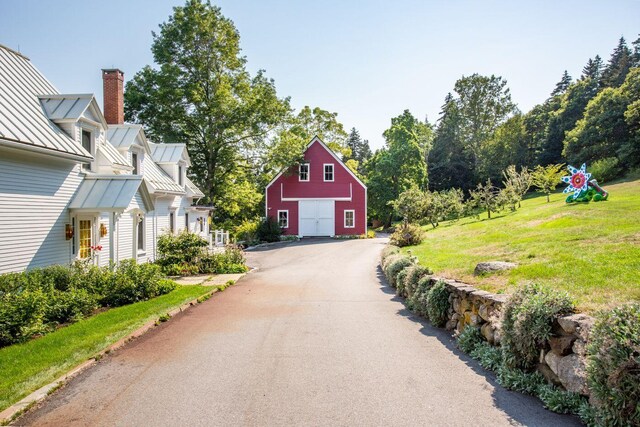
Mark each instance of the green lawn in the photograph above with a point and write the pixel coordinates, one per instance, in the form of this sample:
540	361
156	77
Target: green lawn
29	366
592	251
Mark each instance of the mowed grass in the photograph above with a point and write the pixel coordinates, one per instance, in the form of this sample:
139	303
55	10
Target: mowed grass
26	367
592	250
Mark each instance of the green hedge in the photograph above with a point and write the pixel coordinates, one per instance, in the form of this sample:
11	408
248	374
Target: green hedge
37	301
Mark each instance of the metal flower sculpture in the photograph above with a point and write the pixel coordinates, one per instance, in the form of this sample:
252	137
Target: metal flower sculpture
584	189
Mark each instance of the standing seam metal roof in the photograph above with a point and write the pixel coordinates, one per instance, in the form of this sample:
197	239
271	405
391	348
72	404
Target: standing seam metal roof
106	193
168	153
123	136
158	179
22	117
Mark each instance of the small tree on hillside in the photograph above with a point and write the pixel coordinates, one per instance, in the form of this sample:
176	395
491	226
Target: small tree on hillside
453	201
517	183
410	205
547	178
487	197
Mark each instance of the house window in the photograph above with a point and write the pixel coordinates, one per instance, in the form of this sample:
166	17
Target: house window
201	224
86	144
172	223
283	219
134	163
349	219
180	176
73	240
303	172
85	238
186	221
140	233
328	172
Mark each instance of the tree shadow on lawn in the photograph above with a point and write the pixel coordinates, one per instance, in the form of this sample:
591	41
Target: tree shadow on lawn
521	408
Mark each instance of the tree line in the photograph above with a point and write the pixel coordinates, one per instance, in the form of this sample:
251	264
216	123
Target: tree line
240	133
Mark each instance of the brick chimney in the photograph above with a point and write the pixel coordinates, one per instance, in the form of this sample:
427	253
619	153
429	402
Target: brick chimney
113	94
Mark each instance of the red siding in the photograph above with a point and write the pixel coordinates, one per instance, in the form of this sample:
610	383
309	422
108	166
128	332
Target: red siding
344	186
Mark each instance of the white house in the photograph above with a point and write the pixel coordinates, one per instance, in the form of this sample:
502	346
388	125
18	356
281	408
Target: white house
65	189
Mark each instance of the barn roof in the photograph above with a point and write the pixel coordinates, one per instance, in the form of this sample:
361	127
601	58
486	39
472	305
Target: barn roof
23	120
335	156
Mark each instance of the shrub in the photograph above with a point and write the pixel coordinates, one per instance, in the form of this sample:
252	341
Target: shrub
606	169
438	304
370	234
527	319
184	247
418	301
558	400
407	235
395	264
133	282
269	230
21	315
469	339
400	277
387	252
489	357
247	232
414	274
613	371
69	306
518	380
230	261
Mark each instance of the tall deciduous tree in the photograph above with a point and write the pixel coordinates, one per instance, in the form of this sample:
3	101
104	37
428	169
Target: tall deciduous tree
297	131
399	165
483	103
202	95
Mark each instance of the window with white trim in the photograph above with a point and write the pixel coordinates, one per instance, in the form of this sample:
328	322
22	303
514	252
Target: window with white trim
140	231
87	144
283	219
172	222
328	172
349	219
303	172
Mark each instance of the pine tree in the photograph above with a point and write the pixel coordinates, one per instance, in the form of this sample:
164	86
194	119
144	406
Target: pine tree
618	67
636	53
593	69
360	149
562	85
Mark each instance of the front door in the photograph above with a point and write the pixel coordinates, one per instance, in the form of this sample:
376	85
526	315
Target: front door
85	237
316	218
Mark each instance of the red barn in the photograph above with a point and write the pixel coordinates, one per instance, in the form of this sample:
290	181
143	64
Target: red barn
321	198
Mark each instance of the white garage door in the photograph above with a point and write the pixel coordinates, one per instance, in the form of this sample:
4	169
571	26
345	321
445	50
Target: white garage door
316	217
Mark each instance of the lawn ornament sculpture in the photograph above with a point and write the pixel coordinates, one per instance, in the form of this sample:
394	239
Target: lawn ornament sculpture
584	190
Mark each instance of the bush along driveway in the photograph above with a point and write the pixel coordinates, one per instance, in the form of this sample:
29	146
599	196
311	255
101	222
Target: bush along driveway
534	341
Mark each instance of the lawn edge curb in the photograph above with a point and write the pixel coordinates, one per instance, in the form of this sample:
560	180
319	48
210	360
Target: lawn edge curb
19	408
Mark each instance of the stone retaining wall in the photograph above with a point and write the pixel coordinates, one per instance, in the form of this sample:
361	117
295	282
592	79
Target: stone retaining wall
562	360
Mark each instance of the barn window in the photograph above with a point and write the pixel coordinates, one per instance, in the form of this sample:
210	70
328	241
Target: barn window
303	172
349	219
283	219
328	171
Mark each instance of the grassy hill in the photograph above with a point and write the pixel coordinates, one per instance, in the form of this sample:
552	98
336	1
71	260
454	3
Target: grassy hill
592	250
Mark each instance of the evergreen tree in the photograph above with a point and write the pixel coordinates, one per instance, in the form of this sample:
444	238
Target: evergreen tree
618	67
593	69
449	162
360	150
636	53
562	85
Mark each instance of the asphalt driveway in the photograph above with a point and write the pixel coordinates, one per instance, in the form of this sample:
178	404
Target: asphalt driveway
314	337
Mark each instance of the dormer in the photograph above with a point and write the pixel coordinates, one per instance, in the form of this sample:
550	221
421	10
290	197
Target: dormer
173	159
79	116
131	142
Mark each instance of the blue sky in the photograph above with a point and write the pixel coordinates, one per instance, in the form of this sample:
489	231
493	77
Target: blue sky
365	60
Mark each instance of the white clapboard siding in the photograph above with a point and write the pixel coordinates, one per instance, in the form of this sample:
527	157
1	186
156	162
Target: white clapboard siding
34	195
125	236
